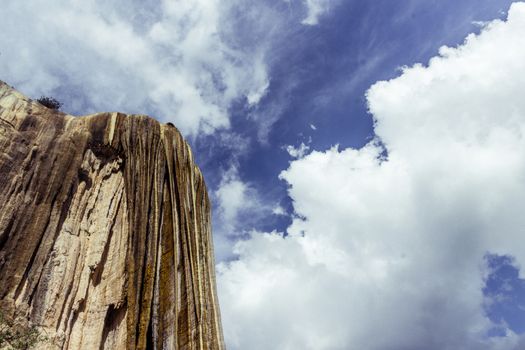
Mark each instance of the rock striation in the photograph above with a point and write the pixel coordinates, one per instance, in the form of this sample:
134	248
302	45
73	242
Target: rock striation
105	239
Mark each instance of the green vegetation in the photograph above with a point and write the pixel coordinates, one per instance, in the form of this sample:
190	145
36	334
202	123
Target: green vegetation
49	102
15	336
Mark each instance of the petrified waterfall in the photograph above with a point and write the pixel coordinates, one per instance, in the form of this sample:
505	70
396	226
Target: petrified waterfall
105	239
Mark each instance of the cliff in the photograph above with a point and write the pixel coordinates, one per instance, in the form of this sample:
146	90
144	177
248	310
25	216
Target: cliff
105	239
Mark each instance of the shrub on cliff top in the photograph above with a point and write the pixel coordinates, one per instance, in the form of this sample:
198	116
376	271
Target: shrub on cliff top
49	102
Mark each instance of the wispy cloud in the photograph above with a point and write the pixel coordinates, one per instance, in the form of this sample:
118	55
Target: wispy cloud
315	9
297	152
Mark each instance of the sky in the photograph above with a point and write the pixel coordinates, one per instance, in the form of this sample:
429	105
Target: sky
365	159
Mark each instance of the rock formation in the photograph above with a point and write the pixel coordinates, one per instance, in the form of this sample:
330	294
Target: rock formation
105	238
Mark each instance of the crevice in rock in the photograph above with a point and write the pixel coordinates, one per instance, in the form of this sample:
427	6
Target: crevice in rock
83	176
115	315
5	233
149	336
106	153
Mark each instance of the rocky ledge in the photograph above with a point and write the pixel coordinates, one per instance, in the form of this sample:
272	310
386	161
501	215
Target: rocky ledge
105	239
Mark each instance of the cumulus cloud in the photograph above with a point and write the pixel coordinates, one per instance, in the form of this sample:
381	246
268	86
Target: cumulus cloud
387	253
173	59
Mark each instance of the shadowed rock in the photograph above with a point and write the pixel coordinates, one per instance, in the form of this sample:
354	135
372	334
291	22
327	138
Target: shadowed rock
105	239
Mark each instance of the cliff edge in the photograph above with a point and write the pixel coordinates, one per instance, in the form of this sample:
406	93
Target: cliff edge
105	238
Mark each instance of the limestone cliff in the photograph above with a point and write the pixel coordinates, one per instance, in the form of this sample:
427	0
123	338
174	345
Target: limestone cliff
105	238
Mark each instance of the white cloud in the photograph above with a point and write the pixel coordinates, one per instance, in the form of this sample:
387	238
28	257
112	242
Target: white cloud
389	254
279	210
315	8
233	196
236	202
297	152
480	24
174	59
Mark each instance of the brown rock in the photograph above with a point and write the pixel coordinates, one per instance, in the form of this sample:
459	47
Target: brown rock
105	239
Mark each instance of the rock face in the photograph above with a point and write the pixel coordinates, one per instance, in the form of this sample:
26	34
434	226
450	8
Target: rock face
105	239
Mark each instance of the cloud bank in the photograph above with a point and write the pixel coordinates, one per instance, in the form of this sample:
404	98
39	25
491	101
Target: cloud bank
388	251
173	59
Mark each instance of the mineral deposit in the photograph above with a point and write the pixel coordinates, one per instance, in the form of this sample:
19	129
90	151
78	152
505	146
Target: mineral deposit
105	239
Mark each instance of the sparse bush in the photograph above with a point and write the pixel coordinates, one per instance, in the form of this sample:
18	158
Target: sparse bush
49	102
15	336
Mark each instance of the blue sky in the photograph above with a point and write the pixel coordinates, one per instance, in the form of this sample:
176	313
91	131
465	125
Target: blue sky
319	76
366	182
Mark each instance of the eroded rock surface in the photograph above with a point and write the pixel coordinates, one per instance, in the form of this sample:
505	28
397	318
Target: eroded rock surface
105	239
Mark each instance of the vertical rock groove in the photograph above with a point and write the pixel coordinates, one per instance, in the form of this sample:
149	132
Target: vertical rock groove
105	238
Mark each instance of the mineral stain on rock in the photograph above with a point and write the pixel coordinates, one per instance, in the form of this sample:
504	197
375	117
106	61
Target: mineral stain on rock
105	238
